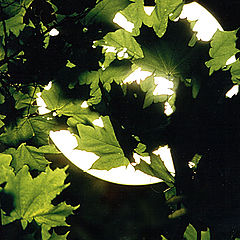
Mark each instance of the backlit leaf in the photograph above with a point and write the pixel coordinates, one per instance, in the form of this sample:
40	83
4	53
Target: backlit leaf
161	14
223	46
5	170
102	142
33	196
235	71
31	156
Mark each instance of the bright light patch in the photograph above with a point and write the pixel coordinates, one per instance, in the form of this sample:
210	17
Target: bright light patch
123	53
148	10
67	142
231	60
84	104
48	87
168	109
98	122
206	24
54	32
163	86
109	49
120	20
42	107
138	158
233	91
166	156
138	75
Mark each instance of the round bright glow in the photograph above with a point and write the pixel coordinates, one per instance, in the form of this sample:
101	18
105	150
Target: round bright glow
54	32
205	27
67	143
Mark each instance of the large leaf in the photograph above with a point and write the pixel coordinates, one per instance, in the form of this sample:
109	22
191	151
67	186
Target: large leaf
102	142
170	57
156	169
33	196
31	156
223	46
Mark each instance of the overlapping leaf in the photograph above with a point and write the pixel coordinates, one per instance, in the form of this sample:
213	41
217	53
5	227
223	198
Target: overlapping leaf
235	71
102	142
5	170
33	196
31	156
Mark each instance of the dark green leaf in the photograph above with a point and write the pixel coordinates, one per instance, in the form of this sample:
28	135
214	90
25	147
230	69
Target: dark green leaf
156	169
55	236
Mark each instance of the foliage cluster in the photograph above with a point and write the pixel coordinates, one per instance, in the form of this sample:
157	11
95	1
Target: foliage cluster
87	63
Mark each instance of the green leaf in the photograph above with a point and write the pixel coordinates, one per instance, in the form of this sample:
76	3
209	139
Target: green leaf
148	87
121	39
223	46
33	196
9	9
117	72
55	236
41	126
14	24
135	14
205	235
5	170
161	13
235	71
190	233
70	64
16	134
31	156
156	169
54	98
1	122
102	142
104	12
2	98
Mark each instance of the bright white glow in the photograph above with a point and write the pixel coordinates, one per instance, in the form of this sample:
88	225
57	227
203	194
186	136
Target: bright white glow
163	86
233	91
191	164
166	156
54	32
138	75
148	10
138	158
48	87
98	122
84	104
42	107
108	49
67	142
120	20
123	53
206	24
168	109
231	60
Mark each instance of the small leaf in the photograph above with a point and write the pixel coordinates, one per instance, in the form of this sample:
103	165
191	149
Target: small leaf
102	142
235	71
156	169
121	39
190	233
55	236
223	46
